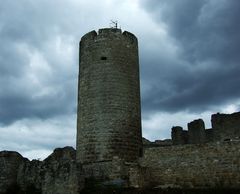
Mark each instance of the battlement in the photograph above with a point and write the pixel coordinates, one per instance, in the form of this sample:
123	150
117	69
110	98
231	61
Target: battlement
196	131
89	36
179	136
225	127
109	33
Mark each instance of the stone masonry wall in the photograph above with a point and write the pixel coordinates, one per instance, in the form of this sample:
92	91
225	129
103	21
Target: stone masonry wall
179	136
211	165
9	165
109	115
226	126
57	174
196	132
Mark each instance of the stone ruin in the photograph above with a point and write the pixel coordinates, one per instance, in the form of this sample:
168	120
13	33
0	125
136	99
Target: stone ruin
193	159
225	127
58	173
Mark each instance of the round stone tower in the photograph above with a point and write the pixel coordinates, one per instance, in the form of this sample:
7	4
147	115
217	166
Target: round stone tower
109	114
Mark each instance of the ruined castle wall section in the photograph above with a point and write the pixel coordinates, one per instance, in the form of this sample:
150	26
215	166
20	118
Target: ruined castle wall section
59	173
109	118
179	136
226	126
212	165
210	133
196	132
9	167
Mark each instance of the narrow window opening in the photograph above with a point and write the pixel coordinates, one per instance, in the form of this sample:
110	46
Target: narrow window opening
103	58
140	152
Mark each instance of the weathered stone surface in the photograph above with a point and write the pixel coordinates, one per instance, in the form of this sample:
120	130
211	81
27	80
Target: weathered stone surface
9	166
109	118
210	135
179	136
61	174
196	132
226	126
139	176
212	165
107	174
57	174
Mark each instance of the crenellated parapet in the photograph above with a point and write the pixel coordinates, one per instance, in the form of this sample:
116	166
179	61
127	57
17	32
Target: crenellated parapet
225	127
104	34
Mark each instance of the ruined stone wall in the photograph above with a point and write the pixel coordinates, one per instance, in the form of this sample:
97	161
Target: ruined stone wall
57	174
109	118
9	166
210	135
179	136
196	132
226	126
211	165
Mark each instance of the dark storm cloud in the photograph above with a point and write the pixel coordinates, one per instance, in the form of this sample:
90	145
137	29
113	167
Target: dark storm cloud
23	105
26	28
205	72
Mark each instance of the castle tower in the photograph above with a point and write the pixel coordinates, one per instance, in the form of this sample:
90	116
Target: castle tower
109	115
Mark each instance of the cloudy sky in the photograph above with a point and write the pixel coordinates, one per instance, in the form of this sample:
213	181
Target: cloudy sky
189	55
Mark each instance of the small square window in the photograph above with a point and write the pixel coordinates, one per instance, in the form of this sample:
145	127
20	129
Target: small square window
103	58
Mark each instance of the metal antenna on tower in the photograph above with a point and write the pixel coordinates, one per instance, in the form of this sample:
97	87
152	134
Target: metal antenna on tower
114	24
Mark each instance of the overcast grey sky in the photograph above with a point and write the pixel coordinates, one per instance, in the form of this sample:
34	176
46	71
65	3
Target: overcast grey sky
189	62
